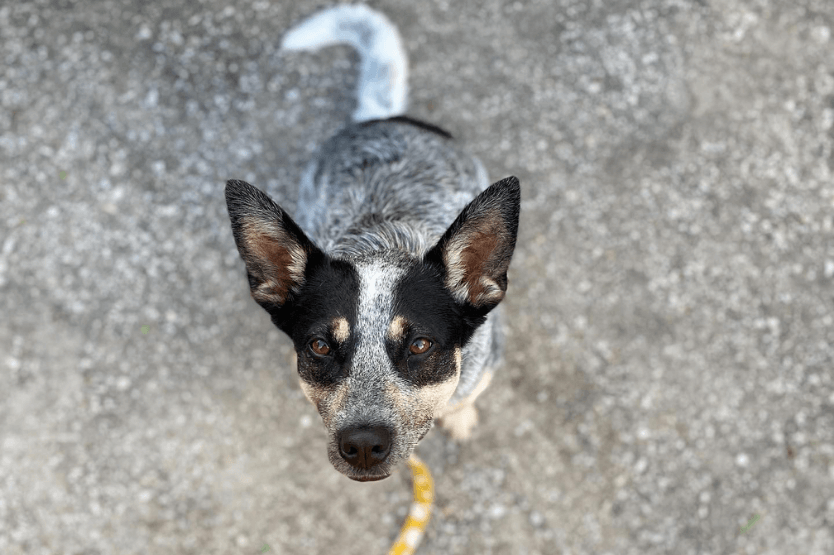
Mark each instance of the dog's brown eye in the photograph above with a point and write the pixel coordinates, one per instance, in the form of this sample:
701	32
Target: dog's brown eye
320	347
420	346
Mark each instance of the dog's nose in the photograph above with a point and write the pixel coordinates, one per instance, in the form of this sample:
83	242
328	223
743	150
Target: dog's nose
364	446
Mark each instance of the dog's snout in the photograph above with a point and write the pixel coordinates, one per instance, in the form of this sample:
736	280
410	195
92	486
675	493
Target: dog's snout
365	446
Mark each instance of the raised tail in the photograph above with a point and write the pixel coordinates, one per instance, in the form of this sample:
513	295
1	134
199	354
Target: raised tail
383	79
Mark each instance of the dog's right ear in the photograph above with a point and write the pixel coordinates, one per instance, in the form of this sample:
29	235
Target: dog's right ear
275	250
475	251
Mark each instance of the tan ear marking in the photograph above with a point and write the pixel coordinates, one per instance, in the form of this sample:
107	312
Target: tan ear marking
472	258
274	259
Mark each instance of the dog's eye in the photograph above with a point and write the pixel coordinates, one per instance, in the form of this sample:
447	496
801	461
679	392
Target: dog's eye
420	346
320	347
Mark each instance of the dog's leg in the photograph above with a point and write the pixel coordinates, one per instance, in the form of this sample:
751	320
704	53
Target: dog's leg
459	419
459	424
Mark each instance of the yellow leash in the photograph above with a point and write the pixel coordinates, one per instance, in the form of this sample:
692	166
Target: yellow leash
418	517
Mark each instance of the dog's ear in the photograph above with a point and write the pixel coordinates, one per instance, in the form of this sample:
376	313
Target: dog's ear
274	248
475	251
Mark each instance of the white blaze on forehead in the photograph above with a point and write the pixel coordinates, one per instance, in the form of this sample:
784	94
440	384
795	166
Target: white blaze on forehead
376	294
377	281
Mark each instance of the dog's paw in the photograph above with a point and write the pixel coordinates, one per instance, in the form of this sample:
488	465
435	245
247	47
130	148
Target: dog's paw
459	424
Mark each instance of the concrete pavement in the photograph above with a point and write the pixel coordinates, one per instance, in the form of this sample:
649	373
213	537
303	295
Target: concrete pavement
671	301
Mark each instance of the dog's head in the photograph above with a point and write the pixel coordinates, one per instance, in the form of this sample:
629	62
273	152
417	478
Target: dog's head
379	337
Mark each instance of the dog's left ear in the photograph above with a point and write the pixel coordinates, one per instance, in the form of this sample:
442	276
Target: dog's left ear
475	251
275	250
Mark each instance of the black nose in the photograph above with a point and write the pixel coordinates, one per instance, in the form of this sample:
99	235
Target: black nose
364	446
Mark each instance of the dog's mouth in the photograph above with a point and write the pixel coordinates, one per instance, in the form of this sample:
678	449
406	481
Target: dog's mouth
369	478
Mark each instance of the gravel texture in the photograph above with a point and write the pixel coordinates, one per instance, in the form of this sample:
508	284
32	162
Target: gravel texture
670	312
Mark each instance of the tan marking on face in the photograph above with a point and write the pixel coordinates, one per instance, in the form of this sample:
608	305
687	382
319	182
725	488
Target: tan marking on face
435	397
396	328
400	400
328	401
339	398
341	329
417	406
314	394
432	398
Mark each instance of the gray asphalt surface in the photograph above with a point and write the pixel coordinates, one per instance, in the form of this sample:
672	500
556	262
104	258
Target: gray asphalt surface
671	302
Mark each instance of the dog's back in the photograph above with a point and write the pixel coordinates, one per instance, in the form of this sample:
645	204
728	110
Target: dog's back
386	184
386	181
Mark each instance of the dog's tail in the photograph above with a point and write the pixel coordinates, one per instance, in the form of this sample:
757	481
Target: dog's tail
383	78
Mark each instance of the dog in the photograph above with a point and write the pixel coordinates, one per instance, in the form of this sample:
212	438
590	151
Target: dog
388	281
